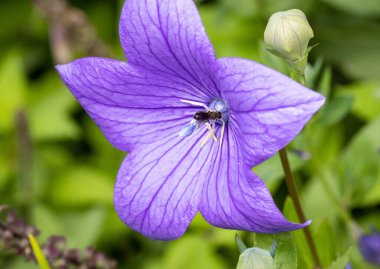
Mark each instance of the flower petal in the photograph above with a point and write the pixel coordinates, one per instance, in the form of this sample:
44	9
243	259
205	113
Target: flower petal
168	37
130	105
159	186
369	246
269	109
235	198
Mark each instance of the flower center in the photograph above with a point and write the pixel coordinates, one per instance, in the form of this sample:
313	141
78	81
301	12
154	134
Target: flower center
216	113
220	105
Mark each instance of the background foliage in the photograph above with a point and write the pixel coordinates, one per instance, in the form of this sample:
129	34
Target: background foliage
58	170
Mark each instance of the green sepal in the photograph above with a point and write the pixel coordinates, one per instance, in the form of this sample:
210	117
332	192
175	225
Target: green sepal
240	243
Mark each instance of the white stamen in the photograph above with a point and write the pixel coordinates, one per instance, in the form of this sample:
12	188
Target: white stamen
221	134
194	103
209	134
213	128
211	131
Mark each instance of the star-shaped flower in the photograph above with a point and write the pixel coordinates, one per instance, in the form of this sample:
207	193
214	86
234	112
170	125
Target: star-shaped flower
147	106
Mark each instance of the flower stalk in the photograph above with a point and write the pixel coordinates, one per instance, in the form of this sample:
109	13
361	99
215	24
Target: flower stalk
287	35
292	187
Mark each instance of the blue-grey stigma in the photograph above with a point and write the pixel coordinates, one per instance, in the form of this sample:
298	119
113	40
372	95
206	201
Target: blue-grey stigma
215	113
221	106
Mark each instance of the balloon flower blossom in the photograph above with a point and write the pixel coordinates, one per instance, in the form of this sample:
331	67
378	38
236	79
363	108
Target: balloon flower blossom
369	246
193	125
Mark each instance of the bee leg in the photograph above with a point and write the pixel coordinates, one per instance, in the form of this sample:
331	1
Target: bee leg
211	131
222	133
194	103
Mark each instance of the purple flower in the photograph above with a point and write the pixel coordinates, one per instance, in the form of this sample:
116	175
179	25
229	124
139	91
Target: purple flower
168	105
369	246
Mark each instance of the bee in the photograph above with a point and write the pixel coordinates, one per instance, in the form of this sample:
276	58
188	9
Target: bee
204	116
216	112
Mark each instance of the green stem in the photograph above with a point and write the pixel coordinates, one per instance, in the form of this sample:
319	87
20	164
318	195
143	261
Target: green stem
292	188
25	161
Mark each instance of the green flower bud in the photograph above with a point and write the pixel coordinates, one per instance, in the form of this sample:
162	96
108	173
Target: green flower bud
255	258
287	34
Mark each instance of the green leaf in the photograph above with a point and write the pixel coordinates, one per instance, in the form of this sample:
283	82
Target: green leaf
326	243
50	110
5	163
323	143
231	35
271	171
366	96
304	258
324	84
263	241
248	8
113	229
373	195
191	252
335	110
243	8
13	88
47	221
216	236
38	254
82	186
11	22
359	58
268	7
341	261
324	188
365	8
285	253
312	72
102	147
20	263
83	228
361	165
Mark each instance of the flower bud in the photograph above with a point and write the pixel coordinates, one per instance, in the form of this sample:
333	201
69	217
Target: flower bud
287	34
255	258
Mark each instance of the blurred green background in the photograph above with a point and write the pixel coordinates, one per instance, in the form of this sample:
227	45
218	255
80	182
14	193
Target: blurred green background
58	170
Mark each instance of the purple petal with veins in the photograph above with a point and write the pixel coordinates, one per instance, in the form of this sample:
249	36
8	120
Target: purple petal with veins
269	108
142	106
